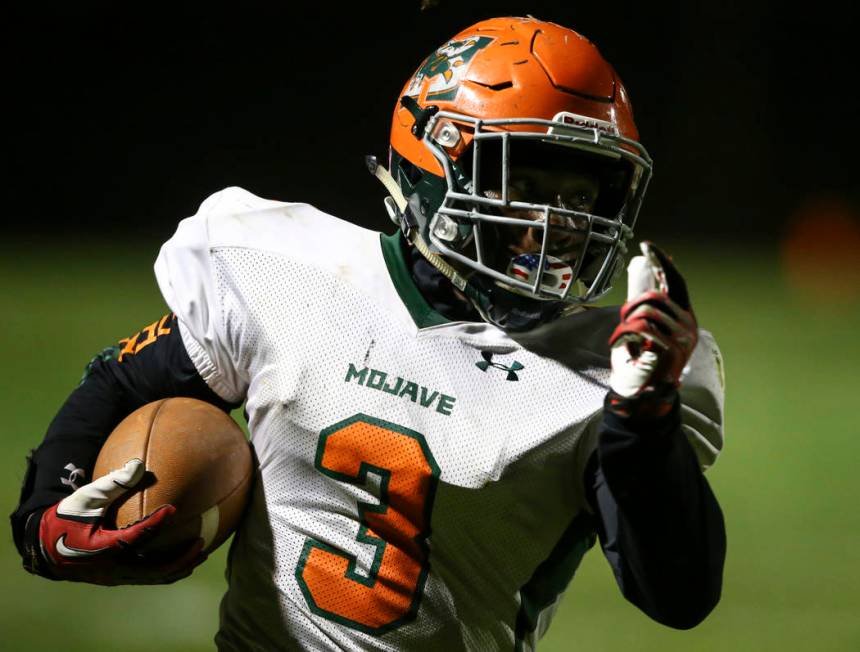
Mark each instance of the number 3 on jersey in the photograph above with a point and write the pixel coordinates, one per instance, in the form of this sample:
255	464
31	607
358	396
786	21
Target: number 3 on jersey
398	526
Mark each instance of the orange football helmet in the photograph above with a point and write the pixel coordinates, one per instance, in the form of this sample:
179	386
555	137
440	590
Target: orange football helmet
505	95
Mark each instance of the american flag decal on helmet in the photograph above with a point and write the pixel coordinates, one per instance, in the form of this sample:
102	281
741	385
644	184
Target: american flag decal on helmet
557	273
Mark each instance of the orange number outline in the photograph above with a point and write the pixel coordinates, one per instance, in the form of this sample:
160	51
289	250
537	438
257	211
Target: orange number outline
315	550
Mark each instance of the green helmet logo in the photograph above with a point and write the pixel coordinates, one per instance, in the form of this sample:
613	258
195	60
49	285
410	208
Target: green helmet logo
444	68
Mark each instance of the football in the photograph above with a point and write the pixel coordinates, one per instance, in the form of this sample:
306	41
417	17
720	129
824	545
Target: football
196	458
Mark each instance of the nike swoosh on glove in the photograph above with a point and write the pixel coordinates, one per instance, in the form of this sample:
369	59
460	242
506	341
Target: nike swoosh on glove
78	547
658	330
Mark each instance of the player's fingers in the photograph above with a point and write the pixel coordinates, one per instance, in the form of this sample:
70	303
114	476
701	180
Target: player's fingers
142	570
653	297
92	499
688	334
677	333
186	563
148	526
662	302
139	532
684	315
638	332
654	340
658	317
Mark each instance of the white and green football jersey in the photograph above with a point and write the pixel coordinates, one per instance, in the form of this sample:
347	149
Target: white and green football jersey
420	481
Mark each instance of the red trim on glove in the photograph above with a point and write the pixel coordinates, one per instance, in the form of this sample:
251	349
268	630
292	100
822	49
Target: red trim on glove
81	549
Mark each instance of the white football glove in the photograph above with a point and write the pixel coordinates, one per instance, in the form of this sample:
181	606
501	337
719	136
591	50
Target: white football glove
658	331
78	547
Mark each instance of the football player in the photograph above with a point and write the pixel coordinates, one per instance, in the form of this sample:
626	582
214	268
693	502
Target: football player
444	424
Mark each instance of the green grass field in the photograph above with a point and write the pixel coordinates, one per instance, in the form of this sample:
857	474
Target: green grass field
788	479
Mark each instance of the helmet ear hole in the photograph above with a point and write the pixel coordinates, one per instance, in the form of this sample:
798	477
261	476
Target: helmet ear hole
408	172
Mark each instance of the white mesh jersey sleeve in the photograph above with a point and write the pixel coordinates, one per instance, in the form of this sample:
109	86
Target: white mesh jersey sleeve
184	272
209	291
703	399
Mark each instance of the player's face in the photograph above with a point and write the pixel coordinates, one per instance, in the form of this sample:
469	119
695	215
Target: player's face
572	190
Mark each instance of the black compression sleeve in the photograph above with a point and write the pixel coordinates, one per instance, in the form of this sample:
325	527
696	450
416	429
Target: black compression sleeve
659	523
151	365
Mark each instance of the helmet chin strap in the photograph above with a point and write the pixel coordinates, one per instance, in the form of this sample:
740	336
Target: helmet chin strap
400	210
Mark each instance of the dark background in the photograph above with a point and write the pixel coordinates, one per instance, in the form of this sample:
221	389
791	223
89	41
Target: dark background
126	117
121	118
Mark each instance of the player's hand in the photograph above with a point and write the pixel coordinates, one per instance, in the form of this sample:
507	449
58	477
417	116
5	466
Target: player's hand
77	547
658	331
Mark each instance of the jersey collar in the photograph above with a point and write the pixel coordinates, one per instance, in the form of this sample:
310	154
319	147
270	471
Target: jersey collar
422	313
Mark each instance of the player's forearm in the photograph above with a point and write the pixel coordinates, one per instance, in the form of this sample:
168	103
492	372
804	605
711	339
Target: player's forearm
115	385
662	528
65	458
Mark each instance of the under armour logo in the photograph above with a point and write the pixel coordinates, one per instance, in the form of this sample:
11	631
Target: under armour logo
487	362
75	474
